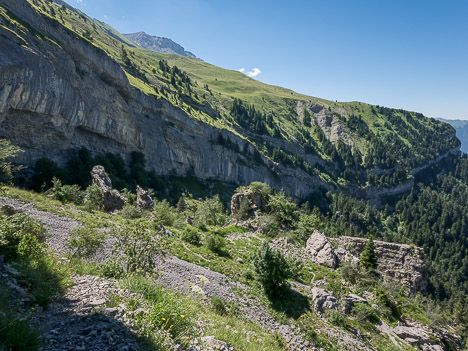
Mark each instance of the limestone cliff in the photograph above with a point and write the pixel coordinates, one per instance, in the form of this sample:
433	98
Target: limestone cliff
59	92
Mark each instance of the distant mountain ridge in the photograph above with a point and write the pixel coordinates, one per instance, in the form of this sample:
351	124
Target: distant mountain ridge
158	44
461	128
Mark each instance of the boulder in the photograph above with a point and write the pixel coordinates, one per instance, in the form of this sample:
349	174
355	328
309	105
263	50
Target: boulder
323	299
412	335
112	199
320	251
143	199
350	300
247	201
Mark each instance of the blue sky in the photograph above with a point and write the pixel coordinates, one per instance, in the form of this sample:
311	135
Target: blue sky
410	54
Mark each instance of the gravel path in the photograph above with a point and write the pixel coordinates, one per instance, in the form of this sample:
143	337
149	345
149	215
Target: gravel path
58	227
80	321
176	274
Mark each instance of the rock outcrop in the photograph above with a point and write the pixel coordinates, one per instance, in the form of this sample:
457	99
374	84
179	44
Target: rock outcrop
399	262
350	300
247	201
143	199
320	250
112	199
323	300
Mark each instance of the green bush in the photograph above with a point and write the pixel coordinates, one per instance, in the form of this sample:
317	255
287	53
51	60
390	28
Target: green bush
111	269
164	214
66	193
16	333
84	242
364	313
269	225
261	189
210	212
30	247
131	212
337	318
350	272
215	243
191	235
7	152
306	226
12	230
283	209
218	305
93	198
137	246
272	269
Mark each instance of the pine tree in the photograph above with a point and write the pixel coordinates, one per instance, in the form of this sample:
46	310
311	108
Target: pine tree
368	258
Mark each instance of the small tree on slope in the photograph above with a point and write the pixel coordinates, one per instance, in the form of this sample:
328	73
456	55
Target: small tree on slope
368	258
272	268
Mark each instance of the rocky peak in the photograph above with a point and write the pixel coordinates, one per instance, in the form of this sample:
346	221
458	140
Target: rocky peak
158	44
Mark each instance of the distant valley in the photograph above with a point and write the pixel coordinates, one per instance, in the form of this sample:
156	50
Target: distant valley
461	127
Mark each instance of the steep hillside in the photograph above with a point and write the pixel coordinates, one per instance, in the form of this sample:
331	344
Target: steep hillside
461	129
158	44
68	81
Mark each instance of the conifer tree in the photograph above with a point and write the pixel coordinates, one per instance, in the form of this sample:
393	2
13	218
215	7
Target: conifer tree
368	258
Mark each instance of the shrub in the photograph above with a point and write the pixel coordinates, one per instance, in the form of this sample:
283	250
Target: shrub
215	243
66	193
137	246
167	311
350	272
190	235
363	312
269	225
84	242
131	197
295	266
30	247
218	305
210	212
164	214
306	226
12	230
283	209
44	171
272	269
337	318
261	189
111	269
16	333
131	212
7	152
93	198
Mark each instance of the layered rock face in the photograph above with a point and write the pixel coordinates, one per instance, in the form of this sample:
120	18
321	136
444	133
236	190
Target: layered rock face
56	97
399	262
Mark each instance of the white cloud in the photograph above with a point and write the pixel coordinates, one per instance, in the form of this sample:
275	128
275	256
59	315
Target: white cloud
79	2
253	73
106	17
